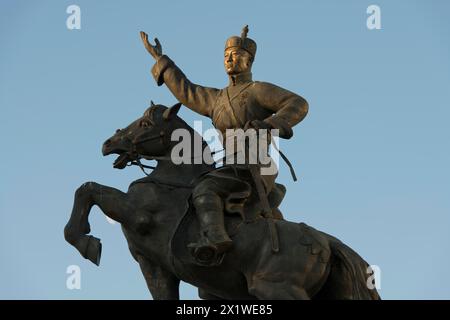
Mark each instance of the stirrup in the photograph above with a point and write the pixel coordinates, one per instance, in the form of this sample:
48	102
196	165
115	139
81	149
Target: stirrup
208	254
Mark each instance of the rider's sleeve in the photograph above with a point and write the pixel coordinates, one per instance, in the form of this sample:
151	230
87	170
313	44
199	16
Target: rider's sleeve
197	98
288	107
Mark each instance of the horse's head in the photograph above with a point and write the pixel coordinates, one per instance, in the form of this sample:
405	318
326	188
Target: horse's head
147	137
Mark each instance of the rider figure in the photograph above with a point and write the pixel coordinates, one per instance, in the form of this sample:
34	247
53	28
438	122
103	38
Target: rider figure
243	104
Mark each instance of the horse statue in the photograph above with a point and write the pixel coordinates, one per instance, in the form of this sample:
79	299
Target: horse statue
158	221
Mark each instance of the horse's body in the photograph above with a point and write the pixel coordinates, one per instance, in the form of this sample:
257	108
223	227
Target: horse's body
159	223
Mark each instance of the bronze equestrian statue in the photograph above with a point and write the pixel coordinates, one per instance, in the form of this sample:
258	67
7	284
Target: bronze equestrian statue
243	104
158	220
219	229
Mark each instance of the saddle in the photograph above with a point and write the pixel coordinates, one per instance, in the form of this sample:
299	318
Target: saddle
188	228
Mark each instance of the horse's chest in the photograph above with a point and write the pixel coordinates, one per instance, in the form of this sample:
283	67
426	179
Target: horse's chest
157	209
155	197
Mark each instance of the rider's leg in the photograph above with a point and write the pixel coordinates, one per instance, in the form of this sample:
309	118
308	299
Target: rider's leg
209	209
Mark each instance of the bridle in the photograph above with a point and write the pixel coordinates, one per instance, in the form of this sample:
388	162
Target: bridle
138	157
137	162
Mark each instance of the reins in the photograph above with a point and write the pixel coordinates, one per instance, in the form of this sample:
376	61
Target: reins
161	134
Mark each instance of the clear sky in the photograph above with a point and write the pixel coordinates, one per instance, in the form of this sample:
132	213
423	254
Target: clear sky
372	156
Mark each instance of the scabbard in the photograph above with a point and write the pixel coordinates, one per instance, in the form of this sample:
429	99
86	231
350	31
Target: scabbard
256	176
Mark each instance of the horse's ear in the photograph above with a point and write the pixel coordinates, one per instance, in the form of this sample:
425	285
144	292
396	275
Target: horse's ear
152	103
171	112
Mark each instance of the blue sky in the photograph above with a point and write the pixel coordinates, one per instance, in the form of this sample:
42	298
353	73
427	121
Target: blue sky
372	156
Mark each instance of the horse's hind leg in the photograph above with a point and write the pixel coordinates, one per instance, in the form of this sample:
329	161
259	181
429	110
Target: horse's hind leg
205	295
271	290
112	202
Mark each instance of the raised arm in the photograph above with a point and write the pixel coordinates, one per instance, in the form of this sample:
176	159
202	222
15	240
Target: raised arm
197	98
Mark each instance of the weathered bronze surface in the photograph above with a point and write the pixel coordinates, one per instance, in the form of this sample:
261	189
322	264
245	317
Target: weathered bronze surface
219	229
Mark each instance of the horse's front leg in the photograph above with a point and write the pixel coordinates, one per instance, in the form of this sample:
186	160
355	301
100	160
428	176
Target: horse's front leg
114	203
163	284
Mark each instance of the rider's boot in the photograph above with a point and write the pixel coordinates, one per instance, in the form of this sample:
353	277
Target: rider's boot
214	238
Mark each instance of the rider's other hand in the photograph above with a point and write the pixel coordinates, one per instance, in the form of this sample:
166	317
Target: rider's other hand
257	125
154	50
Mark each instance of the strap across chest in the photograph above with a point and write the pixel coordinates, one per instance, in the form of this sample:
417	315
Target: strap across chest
231	109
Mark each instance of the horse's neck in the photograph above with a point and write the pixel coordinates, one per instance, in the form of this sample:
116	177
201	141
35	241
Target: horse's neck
183	173
167	171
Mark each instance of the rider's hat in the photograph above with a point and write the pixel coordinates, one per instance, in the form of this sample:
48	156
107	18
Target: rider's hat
242	42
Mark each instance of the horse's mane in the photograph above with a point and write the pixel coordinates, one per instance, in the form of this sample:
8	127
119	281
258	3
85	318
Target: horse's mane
156	115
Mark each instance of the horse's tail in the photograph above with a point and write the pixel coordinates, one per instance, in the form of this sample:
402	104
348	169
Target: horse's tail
353	269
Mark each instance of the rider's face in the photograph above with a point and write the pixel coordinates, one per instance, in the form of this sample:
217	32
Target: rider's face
237	61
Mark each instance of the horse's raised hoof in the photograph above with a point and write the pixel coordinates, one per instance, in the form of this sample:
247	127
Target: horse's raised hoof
94	250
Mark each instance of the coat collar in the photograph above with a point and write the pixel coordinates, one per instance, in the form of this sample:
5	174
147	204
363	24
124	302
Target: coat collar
240	78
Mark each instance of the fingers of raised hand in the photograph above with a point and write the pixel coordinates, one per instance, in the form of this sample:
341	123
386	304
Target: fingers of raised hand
158	44
144	36
154	50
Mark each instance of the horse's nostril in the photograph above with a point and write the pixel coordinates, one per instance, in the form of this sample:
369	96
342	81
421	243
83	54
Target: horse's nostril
108	142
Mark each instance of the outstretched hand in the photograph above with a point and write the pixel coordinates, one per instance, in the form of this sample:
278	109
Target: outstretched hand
156	50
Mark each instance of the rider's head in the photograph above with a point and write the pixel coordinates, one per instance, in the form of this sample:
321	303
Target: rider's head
239	53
